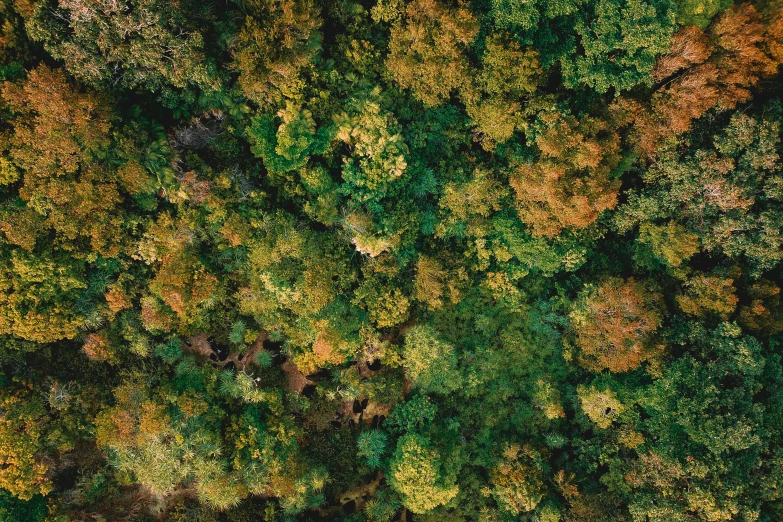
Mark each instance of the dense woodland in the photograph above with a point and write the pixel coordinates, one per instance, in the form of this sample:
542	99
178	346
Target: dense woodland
377	260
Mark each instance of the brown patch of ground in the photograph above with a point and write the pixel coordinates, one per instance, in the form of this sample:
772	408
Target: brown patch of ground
200	345
359	496
296	379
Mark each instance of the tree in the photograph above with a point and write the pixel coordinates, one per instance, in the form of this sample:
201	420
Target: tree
704	71
147	44
614	324
468	204
15	46
569	185
516	480
763	314
181	280
276	47
378	150
287	146
23	471
429	362
297	280
707	431
386	303
706	295
428	284
527	15
621	42
59	135
166	446
372	446
509	74
723	194
699	12
427	49
507	68
415	473
670	244
37	295
600	405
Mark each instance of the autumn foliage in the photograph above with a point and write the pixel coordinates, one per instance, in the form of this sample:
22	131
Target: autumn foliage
615	323
391	260
570	184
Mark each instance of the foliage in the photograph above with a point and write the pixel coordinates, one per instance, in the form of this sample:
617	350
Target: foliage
293	260
414	472
615	323
145	44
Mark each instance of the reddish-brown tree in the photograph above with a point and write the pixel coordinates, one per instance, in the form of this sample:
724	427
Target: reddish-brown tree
706	70
569	185
614	324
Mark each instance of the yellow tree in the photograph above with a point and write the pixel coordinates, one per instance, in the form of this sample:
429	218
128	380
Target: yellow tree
22	468
59	132
427	49
495	102
275	47
415	473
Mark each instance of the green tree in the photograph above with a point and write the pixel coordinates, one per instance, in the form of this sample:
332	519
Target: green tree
38	295
147	44
430	363
621	42
723	194
415	473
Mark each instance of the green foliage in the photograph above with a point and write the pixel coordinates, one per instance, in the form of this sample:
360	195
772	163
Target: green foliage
22	442
429	362
412	415
723	193
427	49
36	291
670	245
415	473
290	260
372	446
148	45
238	329
700	12
526	15
517	481
14	510
621	43
377	148
287	146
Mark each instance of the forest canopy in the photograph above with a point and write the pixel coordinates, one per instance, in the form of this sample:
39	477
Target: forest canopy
391	260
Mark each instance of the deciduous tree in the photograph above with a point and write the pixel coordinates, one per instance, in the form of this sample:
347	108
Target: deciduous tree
615	323
427	49
568	185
